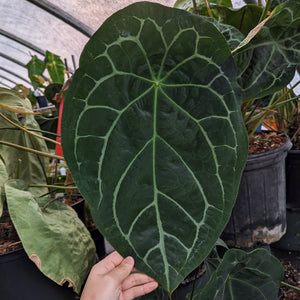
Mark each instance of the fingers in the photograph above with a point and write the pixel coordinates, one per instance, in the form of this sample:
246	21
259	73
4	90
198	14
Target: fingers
122	271
108	263
135	279
139	290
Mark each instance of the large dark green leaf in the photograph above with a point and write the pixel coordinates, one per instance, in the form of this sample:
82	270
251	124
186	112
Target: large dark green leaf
153	136
241	275
54	239
268	59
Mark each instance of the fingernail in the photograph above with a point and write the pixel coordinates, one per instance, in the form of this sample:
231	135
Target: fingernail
153	284
129	260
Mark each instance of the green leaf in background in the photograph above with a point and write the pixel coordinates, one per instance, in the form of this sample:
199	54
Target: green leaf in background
232	35
36	68
201	6
14	102
32	166
244	18
3	179
55	67
276	3
51	238
153	136
268	60
241	275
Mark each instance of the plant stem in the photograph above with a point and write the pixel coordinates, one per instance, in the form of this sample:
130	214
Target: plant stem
32	150
265	11
48	203
27	131
196	11
63	187
290	286
18	169
193	289
208	9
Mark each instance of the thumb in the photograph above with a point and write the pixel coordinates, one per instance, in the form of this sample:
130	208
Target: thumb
123	270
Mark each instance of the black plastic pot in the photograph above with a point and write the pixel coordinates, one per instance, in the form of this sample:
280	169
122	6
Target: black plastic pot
259	215
291	239
99	242
22	280
97	237
293	179
79	207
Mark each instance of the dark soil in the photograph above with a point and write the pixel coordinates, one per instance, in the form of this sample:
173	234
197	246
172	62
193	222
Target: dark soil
9	239
291	263
264	141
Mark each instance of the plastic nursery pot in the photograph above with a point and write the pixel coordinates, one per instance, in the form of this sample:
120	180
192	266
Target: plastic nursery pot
99	242
259	215
21	279
293	179
291	239
79	207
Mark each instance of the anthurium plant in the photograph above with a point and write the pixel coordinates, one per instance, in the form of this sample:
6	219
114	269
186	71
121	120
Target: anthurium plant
153	134
49	230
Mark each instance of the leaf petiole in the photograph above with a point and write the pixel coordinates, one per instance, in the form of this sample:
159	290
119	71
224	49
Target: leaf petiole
290	286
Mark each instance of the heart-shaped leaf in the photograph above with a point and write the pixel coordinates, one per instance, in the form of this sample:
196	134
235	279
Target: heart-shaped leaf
241	275
153	136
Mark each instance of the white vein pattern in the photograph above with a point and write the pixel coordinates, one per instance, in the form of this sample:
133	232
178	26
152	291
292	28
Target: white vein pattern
157	86
276	48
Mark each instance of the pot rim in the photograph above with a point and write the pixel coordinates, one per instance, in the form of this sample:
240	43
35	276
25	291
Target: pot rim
283	148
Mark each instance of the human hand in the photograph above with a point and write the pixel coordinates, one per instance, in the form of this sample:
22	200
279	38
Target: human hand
112	279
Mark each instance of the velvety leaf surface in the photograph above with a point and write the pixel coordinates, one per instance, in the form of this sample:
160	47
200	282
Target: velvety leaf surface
32	166
153	136
232	35
55	239
241	275
267	62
